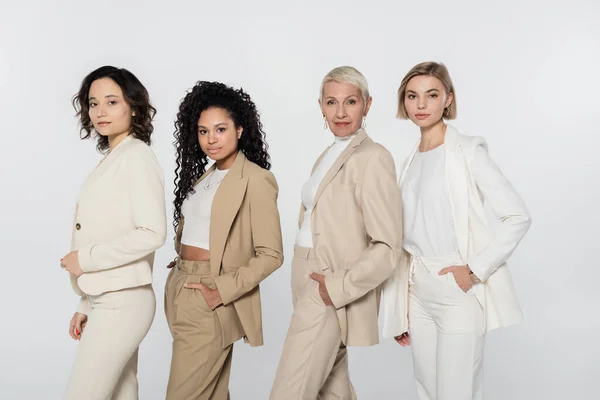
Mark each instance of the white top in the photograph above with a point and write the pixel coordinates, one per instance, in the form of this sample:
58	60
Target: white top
196	210
309	190
428	223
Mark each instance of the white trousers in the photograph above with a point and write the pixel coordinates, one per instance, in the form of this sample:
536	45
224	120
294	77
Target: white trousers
107	356
446	327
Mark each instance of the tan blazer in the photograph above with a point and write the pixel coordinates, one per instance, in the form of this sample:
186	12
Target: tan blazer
357	234
245	244
120	221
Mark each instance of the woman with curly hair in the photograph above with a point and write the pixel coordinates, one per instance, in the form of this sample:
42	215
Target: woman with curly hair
228	238
120	221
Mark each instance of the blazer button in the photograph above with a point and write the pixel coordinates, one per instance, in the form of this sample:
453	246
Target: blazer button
78	226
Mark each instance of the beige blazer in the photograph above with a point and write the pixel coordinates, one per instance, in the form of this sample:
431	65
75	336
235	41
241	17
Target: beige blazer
484	249
245	245
120	221
356	228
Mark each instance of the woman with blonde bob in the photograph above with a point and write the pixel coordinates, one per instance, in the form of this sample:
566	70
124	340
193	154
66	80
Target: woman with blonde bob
454	286
347	245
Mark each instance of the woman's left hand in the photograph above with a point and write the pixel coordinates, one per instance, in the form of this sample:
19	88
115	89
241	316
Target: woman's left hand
322	288
211	296
462	276
70	263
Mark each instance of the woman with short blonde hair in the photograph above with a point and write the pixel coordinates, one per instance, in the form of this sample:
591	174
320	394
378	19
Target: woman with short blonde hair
453	285
347	245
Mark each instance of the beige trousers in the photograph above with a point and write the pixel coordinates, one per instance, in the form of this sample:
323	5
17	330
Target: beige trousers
107	355
200	365
314	362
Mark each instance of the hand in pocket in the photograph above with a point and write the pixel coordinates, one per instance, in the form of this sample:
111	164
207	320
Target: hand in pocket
461	275
211	296
322	288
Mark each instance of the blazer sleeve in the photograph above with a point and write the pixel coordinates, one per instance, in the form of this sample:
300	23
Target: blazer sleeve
83	306
507	206
266	236
382	211
145	185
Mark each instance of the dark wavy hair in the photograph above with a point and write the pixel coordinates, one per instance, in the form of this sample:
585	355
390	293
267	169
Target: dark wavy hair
191	160
134	93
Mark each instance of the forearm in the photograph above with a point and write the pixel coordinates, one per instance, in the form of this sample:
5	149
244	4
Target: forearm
233	285
120	251
373	267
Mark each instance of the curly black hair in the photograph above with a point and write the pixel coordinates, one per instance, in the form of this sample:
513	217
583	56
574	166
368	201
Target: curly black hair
191	160
134	93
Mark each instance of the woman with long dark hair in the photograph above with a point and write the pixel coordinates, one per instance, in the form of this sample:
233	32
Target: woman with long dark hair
228	238
120	221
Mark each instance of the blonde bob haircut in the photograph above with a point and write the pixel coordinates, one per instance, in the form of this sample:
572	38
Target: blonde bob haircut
432	68
349	75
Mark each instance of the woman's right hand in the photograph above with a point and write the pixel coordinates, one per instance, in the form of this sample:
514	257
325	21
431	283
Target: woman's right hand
403	340
77	325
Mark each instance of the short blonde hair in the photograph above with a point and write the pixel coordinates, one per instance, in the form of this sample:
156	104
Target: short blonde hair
349	75
432	68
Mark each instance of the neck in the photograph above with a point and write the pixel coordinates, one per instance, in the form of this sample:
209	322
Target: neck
114	140
227	162
347	136
432	136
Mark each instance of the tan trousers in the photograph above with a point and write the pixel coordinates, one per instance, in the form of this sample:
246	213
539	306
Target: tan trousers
314	362
107	355
200	365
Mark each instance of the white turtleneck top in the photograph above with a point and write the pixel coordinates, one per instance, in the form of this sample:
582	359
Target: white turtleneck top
309	190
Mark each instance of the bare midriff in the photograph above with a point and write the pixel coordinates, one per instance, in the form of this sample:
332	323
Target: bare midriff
192	253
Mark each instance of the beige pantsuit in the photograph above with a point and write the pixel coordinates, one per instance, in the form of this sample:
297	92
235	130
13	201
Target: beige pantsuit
120	221
245	248
356	227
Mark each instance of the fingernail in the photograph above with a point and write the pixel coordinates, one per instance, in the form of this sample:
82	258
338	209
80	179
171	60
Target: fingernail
77	331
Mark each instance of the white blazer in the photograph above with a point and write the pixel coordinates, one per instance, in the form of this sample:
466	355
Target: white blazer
484	250
120	221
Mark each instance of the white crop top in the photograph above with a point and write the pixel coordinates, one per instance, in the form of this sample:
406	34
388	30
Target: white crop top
196	210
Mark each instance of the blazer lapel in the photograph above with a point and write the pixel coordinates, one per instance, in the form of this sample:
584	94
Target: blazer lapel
312	171
105	162
225	206
408	162
458	194
337	165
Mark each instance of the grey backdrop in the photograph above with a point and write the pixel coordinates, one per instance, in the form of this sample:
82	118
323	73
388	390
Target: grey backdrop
526	76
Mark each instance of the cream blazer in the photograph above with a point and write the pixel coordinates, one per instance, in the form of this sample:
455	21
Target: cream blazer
357	237
120	221
483	249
